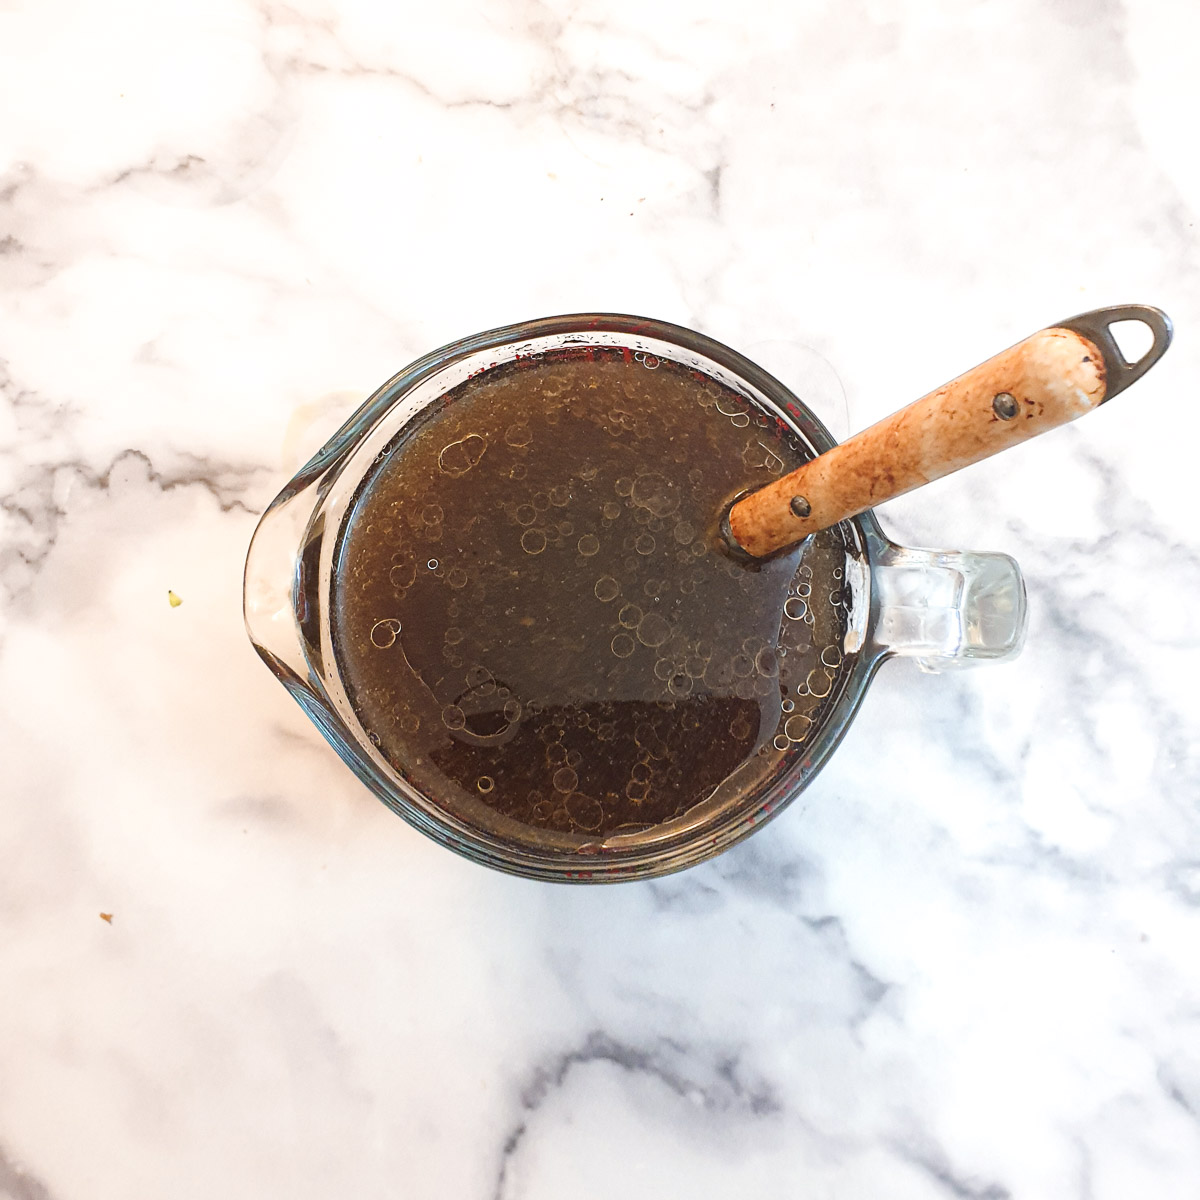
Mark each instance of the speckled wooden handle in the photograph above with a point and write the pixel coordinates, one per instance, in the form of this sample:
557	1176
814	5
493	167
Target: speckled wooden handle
1045	381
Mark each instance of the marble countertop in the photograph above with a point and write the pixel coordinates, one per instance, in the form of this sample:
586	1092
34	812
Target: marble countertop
963	965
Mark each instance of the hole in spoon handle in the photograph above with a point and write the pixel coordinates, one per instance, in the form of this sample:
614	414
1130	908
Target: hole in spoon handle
1096	326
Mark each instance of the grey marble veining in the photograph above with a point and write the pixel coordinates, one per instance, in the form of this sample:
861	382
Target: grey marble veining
962	964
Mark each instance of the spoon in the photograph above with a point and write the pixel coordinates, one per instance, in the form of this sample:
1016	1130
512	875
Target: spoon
1045	381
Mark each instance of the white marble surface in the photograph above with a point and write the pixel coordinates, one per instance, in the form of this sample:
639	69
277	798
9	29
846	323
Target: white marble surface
965	966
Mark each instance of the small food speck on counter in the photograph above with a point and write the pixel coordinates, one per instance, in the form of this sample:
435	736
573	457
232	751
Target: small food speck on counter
106	917
173	600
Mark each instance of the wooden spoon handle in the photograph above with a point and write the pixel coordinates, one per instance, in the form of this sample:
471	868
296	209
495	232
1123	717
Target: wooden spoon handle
1045	381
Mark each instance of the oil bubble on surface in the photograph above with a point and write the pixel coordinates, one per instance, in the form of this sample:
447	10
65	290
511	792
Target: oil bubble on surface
644	544
533	541
585	811
680	685
607	588
652	629
629	616
611	510
478	675
588	545
565	780
453	717
796	727
403	574
384	633
525	514
485	783
759	455
819	682
656	493
459	457
623	645
518	434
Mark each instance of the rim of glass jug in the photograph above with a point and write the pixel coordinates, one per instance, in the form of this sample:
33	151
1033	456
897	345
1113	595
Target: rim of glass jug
597	865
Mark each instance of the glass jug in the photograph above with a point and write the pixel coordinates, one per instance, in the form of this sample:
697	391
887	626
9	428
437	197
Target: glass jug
943	608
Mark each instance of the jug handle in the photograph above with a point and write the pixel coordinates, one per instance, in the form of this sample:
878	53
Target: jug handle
947	608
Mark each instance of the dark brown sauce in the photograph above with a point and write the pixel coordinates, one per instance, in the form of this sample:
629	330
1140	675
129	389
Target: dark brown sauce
534	619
